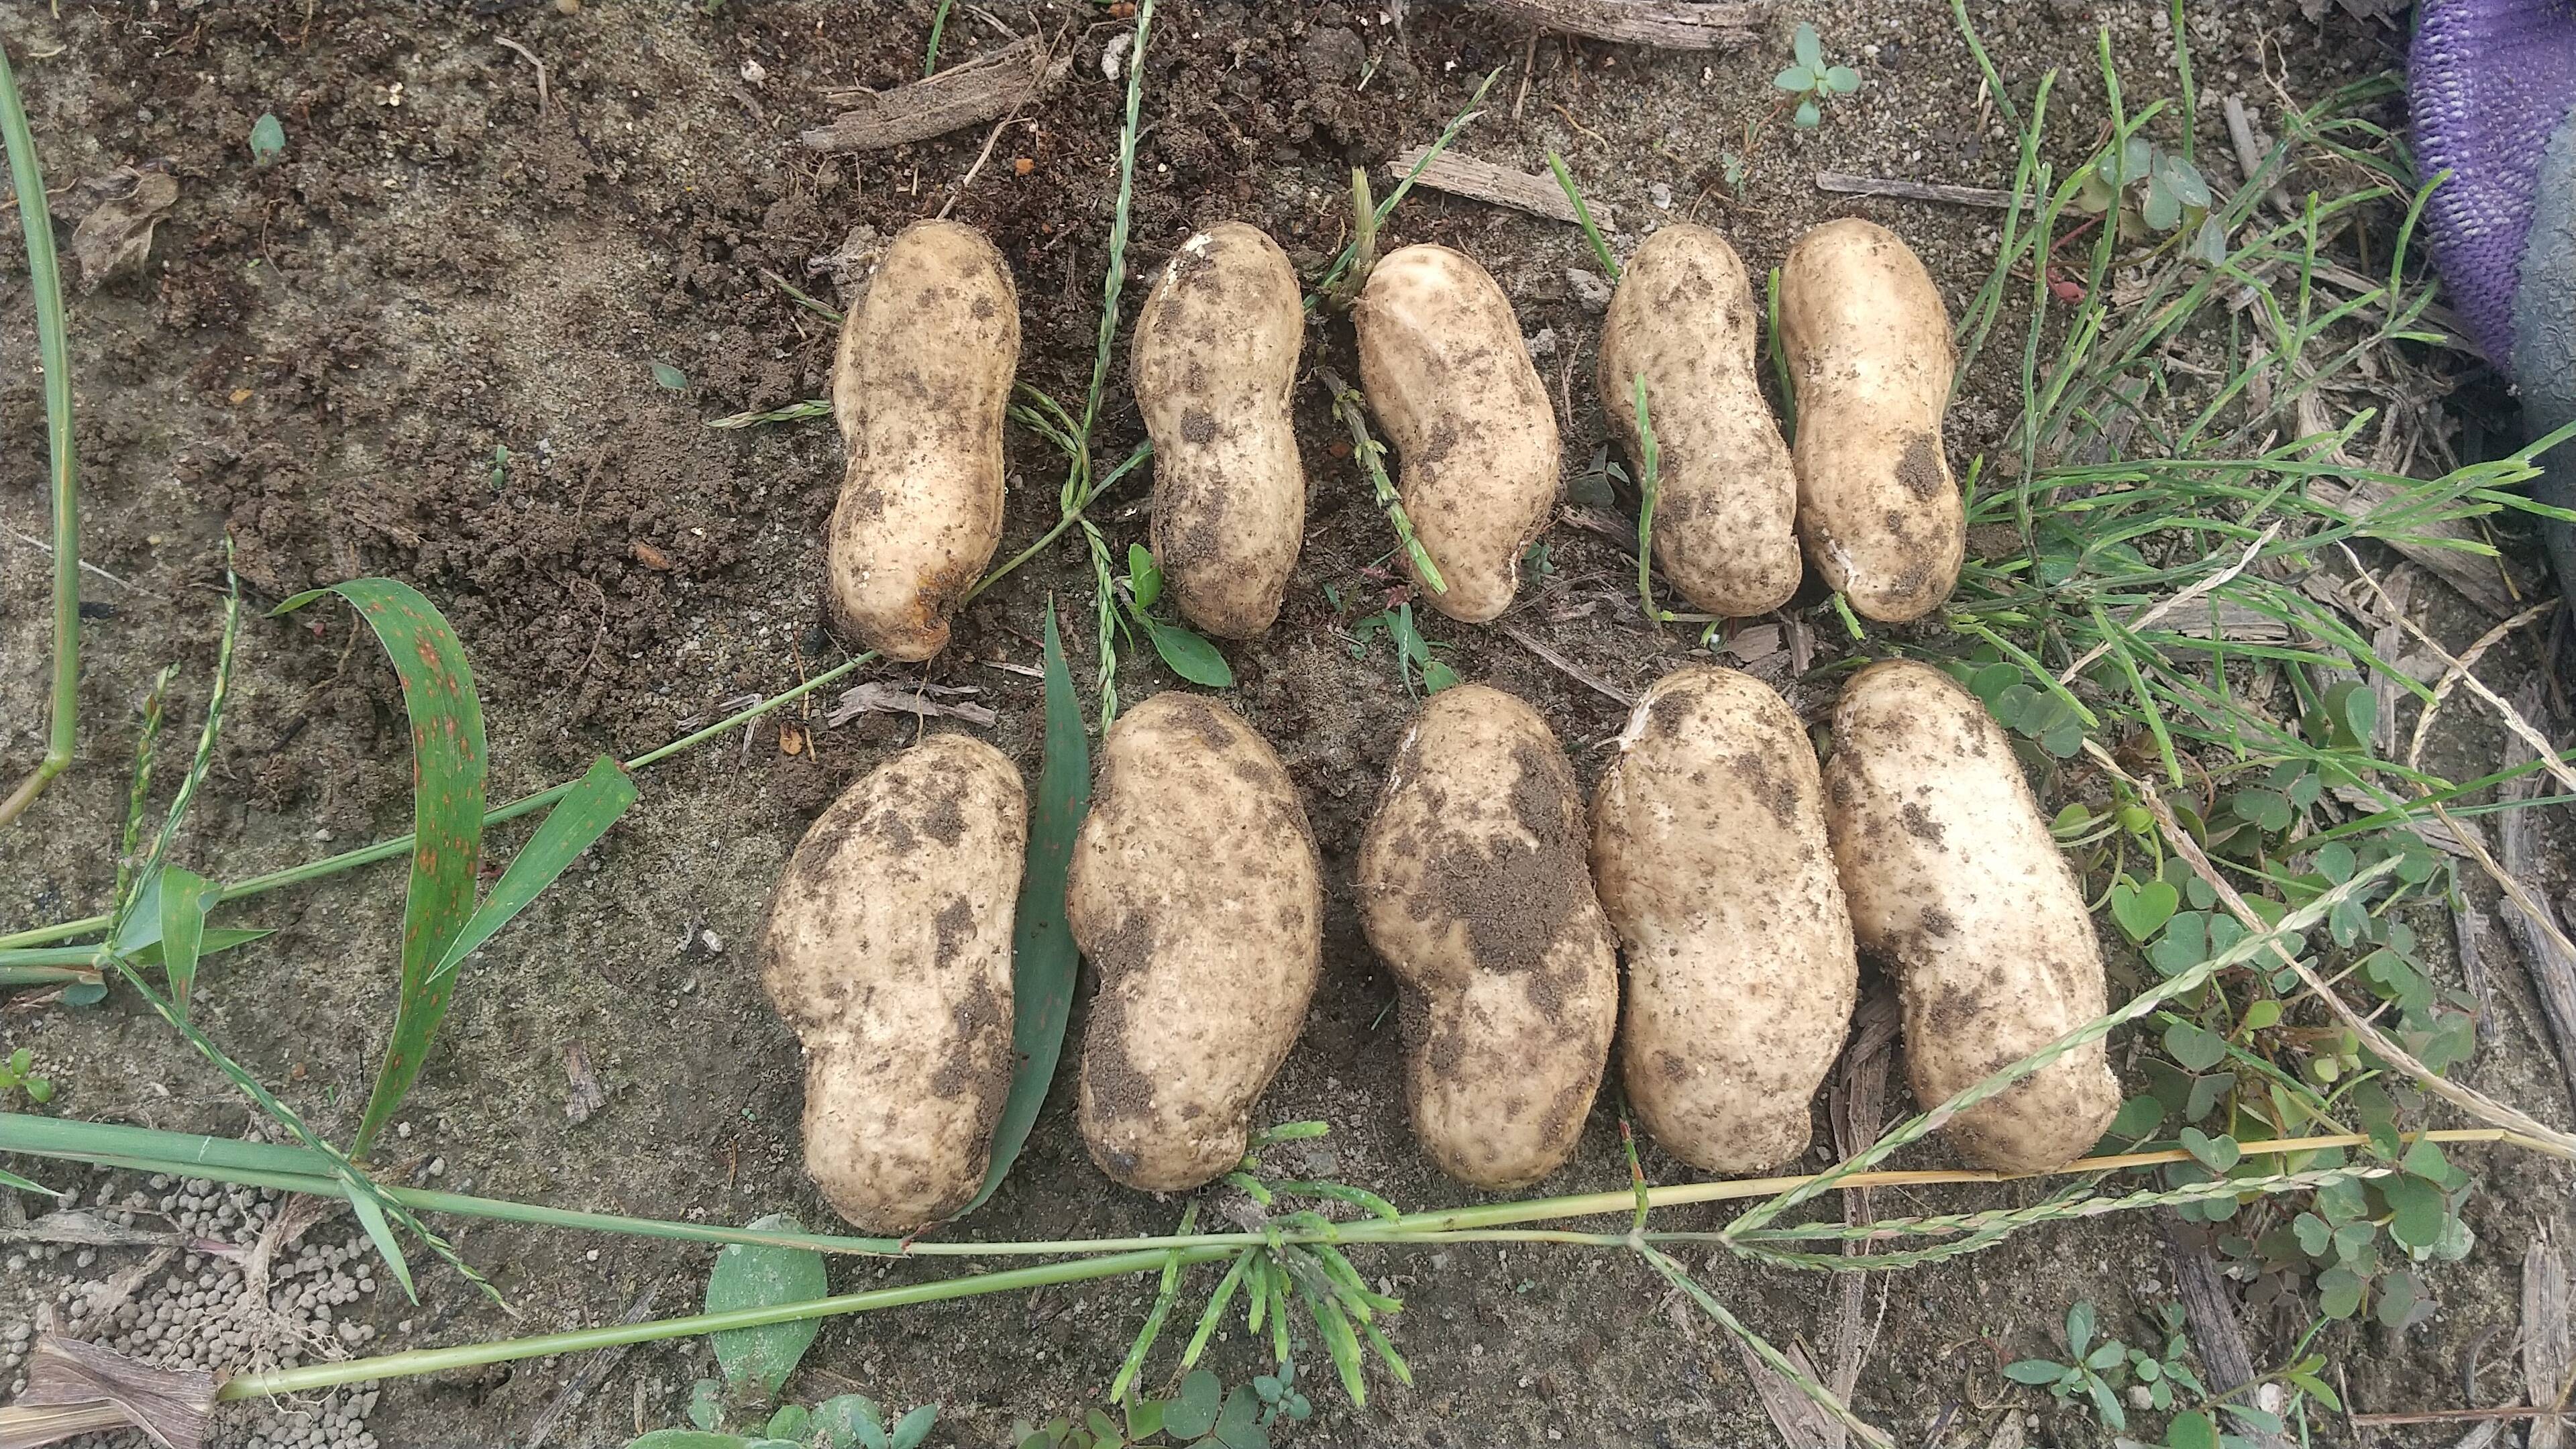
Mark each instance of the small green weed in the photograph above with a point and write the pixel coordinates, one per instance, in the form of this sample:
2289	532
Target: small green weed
267	139
2099	1371
1189	654
1812	80
1421	671
18	1074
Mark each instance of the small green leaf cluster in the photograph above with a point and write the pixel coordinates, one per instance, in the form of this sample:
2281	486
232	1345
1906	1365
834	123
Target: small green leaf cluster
756	1362
2041	716
2099	1370
2154	191
1422	671
1812	80
1201	1412
1189	654
18	1074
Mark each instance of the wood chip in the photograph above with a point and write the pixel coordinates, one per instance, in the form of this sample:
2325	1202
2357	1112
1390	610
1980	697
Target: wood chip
587	1095
1670	24
2009	1434
1500	186
2215	1328
1802	1422
1849	185
977	93
2545	1350
2480	577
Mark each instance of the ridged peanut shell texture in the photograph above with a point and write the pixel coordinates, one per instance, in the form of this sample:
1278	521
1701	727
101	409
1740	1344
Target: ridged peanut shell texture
1953	878
1710	855
1214	359
919	385
1868	342
888	949
1473	886
1198	895
1457	398
1726	502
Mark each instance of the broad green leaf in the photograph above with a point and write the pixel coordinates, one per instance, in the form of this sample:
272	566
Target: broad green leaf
792	1421
2354	1244
186	897
2218	1154
688	1439
2262	1015
2339	1293
1807	46
2139	1116
706	1403
1841	79
1191	657
2163	210
1144	1418
2195	1048
2037	1372
2335	861
2079	1329
839	1419
1795	78
2105	1402
447	815
2191	1429
2206	1093
2416	1210
757	1361
2108	1354
2261	1421
2268	810
2425	1160
2314	1233
1807	117
913	1427
2142	909
1437	676
1193	1410
1144	576
1993	680
2402	1301
671	377
2184	944
574	824
1043	960
267	139
1239	1426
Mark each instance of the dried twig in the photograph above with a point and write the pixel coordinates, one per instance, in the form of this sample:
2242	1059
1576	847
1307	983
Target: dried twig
2511	717
530	56
1568	667
2545	1352
2529	916
601	1364
1850	185
987	88
2215	1331
1670	24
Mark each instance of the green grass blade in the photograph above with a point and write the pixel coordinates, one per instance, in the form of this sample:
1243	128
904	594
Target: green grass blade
1043	960
53	349
185	898
13	1180
1154	1318
569	829
381	1233
447	815
1583	216
1216	1306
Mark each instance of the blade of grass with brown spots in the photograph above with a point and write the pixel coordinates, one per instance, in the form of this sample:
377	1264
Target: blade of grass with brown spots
447	815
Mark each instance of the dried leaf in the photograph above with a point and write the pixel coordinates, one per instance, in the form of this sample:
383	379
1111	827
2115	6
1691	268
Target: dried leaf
930	699
89	1387
2545	1347
588	1096
1802	1422
116	236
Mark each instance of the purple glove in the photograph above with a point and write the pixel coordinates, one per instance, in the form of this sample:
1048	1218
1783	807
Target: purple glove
2488	82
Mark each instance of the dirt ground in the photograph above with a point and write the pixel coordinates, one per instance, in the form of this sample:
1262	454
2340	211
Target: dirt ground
467	247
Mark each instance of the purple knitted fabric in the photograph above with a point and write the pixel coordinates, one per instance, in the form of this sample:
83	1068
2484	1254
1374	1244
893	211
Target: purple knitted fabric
2487	83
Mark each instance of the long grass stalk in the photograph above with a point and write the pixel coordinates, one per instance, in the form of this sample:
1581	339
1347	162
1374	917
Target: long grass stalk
53	350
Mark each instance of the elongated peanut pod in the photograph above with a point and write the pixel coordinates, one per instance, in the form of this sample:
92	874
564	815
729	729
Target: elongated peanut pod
1198	895
1952	876
888	949
1709	850
919	386
1473	887
1869	352
1459	400
1727	496
1215	356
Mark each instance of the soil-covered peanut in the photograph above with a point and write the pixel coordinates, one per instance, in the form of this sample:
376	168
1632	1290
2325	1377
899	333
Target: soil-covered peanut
1870	357
919	385
1214	359
1709	852
1953	878
889	951
1727	496
1197	893
1461	404
1473	886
